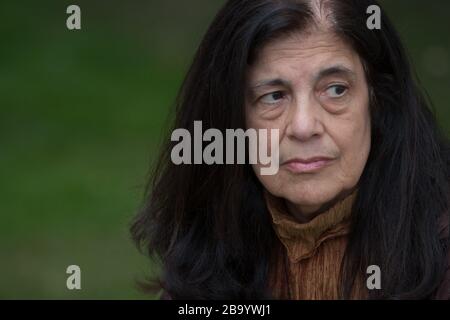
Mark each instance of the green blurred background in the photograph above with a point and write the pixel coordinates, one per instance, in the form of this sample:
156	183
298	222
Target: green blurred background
81	117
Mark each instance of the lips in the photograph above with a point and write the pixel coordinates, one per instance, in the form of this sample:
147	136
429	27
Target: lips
298	165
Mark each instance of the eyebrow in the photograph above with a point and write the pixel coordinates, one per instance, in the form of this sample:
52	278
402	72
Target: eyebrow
329	71
271	83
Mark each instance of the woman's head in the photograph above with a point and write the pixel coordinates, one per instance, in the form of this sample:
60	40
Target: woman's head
311	86
334	89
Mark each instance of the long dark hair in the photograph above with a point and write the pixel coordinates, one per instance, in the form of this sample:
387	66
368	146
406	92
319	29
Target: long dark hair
209	225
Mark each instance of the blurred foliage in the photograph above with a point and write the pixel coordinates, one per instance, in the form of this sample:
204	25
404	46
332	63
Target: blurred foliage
82	114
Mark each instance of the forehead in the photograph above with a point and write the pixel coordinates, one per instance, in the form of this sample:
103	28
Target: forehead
303	53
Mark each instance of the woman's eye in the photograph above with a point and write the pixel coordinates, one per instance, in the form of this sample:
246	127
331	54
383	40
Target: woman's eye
336	91
272	98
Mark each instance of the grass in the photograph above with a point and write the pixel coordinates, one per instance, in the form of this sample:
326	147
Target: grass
80	121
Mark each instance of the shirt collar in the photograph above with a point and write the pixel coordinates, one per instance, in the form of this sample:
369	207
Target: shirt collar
302	239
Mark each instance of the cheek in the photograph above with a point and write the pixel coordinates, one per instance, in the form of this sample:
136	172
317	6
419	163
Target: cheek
255	122
354	141
252	120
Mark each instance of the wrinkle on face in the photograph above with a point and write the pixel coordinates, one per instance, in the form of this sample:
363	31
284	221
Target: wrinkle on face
296	60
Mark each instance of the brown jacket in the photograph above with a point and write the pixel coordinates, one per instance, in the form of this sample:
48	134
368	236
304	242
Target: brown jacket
308	256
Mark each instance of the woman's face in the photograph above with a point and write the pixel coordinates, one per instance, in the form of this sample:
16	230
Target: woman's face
312	88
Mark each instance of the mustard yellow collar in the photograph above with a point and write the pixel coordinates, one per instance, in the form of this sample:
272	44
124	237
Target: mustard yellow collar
302	239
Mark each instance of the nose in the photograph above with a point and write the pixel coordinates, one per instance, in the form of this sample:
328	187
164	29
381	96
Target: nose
304	119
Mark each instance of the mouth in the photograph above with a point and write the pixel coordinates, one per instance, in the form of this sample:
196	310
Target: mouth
298	165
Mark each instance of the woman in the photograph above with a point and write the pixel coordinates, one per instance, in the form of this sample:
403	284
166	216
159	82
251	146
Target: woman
363	182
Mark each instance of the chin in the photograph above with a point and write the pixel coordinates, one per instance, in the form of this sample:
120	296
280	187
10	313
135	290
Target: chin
308	195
